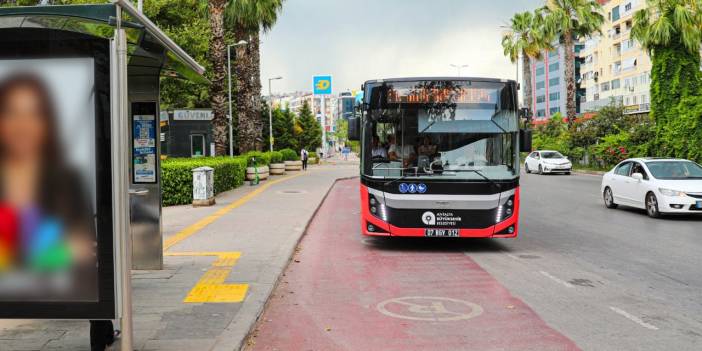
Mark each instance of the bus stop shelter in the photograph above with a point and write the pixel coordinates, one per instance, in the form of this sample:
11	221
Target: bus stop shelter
128	55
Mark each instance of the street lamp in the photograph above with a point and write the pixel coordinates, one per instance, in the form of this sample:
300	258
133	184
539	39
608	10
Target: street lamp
270	111
458	68
231	117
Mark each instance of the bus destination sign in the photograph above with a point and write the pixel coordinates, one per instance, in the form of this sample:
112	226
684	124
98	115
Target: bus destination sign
429	95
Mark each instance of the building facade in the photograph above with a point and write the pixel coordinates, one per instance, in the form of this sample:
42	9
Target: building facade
347	101
615	67
548	83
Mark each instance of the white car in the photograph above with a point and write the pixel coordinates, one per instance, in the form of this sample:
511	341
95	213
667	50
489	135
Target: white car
547	161
658	185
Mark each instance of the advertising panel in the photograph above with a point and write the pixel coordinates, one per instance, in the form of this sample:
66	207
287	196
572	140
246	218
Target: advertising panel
56	240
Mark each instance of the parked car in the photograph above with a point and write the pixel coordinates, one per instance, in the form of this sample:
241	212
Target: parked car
547	161
658	185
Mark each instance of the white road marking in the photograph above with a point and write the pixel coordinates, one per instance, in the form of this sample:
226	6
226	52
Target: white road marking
512	256
559	281
633	318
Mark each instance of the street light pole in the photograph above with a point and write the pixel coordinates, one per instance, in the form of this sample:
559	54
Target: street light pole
231	116
458	68
270	112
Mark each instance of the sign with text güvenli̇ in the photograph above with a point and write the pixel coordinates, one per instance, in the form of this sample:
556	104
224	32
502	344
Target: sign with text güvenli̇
322	85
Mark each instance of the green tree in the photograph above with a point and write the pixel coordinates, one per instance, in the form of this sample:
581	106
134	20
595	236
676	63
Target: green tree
525	37
569	21
671	31
248	18
217	56
311	136
284	129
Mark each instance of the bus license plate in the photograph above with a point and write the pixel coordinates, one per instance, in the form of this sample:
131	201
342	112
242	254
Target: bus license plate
452	233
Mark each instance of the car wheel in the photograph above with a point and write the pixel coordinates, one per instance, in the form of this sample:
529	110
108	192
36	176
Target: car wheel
526	168
609	198
652	206
541	170
567	173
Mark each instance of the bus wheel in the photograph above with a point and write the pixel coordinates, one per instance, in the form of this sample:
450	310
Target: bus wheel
609	198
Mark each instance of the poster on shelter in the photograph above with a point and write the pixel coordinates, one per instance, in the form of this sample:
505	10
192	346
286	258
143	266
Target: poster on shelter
144	132
48	230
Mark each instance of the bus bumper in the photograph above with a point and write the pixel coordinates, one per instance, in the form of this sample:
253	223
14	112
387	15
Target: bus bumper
374	225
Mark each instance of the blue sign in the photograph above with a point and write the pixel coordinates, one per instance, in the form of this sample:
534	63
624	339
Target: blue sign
404	188
422	188
322	85
413	188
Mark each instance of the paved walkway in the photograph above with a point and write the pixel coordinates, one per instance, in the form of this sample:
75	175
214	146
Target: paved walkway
346	292
221	264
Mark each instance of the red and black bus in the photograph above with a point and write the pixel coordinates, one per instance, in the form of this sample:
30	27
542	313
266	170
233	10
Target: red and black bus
440	157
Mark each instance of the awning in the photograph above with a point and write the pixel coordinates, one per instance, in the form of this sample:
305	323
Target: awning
100	20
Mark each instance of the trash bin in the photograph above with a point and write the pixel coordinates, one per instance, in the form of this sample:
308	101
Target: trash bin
203	186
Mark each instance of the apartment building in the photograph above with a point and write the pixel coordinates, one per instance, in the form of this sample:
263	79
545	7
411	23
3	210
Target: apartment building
615	67
548	83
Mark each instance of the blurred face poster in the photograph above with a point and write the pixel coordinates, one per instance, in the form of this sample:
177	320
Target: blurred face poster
48	235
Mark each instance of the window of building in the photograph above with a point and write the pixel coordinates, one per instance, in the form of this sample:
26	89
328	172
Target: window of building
540	113
615	13
553	110
540	99
605	86
626	101
553	67
540	71
553	53
554	96
644	78
627	7
616	83
555	81
540	85
644	99
634	100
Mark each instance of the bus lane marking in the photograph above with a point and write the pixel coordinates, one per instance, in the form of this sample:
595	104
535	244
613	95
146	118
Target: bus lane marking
211	287
557	280
633	318
429	308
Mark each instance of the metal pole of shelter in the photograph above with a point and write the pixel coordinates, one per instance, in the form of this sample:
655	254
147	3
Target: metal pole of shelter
120	183
324	125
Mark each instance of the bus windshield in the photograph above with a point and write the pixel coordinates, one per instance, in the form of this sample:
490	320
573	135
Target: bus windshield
446	129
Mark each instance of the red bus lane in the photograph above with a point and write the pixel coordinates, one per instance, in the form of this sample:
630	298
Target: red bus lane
346	292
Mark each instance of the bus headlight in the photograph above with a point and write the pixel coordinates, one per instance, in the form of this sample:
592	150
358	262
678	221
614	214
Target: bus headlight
505	211
377	208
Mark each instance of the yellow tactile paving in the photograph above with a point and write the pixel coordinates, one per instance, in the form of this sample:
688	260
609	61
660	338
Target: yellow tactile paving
211	288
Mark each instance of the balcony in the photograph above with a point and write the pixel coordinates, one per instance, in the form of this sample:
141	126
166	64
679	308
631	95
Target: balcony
638	108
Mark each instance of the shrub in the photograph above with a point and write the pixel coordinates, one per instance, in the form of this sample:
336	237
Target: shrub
315	156
177	176
276	157
262	159
289	155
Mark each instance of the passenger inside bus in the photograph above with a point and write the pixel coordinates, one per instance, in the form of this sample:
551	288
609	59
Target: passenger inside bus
378	151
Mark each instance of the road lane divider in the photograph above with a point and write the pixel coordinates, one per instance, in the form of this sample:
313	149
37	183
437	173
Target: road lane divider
199	225
211	288
557	280
633	318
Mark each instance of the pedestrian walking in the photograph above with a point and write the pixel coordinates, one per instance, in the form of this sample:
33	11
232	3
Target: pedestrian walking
304	155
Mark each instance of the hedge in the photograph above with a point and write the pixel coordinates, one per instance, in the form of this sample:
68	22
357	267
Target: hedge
276	157
262	158
177	176
289	155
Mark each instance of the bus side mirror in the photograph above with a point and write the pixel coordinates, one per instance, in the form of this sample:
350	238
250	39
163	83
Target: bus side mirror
354	128
524	140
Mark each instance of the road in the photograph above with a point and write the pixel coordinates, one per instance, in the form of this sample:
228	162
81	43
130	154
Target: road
580	276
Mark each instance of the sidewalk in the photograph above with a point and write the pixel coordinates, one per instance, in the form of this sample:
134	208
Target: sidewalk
220	266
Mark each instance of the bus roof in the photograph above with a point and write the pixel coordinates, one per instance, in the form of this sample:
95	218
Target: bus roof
414	79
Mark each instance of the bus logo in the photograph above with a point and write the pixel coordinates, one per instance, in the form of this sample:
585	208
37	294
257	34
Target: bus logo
422	188
429	218
404	188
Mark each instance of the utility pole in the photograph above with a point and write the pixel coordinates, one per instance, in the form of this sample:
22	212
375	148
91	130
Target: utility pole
270	112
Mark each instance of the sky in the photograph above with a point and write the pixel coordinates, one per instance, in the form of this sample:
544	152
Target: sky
360	40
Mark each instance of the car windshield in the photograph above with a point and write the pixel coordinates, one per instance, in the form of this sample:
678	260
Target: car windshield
675	169
551	154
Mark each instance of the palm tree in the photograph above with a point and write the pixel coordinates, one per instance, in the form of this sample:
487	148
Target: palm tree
248	18
671	31
217	55
569	21
525	37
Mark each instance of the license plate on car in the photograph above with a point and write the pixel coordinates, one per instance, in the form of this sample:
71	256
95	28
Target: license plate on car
699	204
451	233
